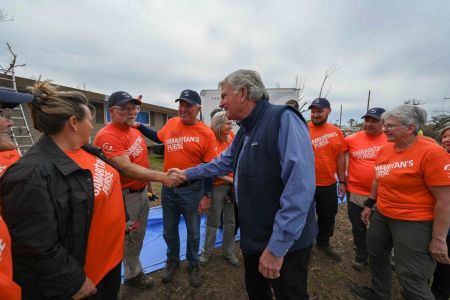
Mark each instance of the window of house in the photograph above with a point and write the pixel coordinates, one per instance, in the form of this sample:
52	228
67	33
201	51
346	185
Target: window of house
152	118
99	115
142	117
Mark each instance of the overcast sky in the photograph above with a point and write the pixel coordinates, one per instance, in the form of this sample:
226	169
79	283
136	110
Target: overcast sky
398	49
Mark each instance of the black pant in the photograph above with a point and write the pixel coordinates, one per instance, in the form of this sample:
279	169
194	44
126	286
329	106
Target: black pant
108	287
441	279
359	230
326	209
292	283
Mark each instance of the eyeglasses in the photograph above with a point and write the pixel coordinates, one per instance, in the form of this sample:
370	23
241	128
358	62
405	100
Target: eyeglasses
128	109
391	126
6	113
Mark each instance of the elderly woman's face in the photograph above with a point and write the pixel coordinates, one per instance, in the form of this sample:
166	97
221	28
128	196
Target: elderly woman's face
446	140
394	129
226	127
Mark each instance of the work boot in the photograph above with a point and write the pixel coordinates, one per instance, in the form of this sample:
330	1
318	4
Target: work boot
359	265
170	270
329	251
363	292
141	281
194	277
204	258
232	260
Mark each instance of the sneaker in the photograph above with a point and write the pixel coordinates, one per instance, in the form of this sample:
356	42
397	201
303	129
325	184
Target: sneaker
141	281
204	259
363	292
329	251
232	260
170	270
359	265
194	277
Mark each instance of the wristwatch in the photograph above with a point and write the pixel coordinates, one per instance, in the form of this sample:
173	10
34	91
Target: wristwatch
208	194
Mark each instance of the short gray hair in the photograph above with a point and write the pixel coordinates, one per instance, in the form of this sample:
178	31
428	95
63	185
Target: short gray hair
249	79
217	122
407	115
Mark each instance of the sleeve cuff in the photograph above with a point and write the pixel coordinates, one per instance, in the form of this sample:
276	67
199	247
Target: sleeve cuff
279	248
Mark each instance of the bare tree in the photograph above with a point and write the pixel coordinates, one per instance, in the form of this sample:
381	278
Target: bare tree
413	102
328	74
4	16
12	63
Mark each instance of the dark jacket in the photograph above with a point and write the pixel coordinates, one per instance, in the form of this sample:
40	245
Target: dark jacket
47	202
259	180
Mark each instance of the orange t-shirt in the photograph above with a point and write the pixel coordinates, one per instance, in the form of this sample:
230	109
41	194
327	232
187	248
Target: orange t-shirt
7	158
327	141
220	147
8	288
186	146
404	177
106	235
363	151
116	141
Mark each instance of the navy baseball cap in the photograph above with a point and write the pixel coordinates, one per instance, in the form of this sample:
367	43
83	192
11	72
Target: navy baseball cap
10	98
120	98
320	103
190	96
375	113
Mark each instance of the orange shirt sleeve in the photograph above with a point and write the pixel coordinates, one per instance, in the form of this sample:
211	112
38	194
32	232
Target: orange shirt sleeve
436	167
111	145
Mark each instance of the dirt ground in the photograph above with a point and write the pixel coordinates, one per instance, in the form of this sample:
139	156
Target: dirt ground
327	279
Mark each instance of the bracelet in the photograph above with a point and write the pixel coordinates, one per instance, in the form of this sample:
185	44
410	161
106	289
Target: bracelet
370	202
344	182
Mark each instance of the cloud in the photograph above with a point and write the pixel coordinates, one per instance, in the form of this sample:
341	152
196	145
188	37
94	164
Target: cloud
157	48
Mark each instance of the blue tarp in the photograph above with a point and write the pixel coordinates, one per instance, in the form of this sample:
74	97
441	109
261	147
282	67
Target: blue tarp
153	254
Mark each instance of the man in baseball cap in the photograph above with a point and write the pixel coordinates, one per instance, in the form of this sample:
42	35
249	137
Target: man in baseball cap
8	156
363	148
375	113
320	103
329	148
8	100
187	143
121	98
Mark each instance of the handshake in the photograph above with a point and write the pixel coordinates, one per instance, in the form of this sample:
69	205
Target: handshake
174	177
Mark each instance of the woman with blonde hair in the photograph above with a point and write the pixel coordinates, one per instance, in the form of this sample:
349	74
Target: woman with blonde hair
63	205
221	201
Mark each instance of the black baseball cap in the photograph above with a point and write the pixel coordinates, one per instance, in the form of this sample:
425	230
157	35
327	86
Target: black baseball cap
120	98
374	112
320	103
10	98
190	96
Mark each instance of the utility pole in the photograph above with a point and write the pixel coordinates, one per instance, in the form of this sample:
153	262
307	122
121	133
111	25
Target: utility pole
340	118
368	101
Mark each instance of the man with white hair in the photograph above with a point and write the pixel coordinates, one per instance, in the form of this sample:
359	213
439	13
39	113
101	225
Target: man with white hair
274	184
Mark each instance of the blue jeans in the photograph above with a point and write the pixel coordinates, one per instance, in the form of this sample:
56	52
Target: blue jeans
182	201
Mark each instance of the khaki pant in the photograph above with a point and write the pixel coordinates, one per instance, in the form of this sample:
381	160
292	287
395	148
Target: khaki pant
137	205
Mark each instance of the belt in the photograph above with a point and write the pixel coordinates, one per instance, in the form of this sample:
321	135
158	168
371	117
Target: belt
188	183
131	191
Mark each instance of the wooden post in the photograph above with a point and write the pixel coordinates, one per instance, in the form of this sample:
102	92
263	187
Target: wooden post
368	101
